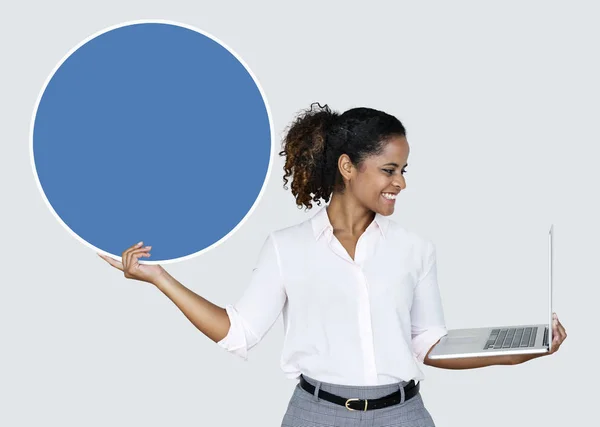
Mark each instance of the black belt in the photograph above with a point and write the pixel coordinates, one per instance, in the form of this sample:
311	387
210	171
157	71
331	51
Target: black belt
410	390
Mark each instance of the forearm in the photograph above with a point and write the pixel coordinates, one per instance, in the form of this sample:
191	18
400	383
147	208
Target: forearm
469	362
210	319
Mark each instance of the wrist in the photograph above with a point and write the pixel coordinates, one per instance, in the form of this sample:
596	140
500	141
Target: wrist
161	279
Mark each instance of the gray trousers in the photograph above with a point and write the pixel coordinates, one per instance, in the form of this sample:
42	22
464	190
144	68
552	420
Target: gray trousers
306	410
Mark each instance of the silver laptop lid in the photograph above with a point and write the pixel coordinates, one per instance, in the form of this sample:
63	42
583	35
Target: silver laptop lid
550	264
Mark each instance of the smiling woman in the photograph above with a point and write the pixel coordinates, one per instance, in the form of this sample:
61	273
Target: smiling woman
358	293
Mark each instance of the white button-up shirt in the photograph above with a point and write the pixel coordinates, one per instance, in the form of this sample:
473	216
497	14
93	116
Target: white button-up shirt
367	321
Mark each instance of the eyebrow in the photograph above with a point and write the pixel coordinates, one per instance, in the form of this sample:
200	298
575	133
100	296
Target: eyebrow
395	164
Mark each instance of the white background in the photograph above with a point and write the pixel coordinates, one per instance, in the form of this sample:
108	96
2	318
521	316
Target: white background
500	103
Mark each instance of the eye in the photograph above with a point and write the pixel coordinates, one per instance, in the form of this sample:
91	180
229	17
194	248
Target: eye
391	171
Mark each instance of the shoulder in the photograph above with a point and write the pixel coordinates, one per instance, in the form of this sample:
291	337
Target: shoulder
418	242
420	247
293	235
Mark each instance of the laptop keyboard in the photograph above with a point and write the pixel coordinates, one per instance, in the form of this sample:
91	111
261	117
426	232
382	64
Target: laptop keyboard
511	338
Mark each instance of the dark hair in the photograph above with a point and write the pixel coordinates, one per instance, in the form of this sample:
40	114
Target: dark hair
319	136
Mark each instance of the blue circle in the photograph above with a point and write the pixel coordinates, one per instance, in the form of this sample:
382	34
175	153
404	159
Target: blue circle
152	132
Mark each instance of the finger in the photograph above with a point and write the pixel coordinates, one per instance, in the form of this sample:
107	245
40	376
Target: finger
142	252
559	327
556	343
125	254
555	333
138	254
131	248
137	245
132	258
131	261
562	330
558	336
128	254
128	266
116	264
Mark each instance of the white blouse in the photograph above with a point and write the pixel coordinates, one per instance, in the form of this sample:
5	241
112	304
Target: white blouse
365	321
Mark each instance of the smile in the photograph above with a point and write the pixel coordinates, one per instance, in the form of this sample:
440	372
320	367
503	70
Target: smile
389	196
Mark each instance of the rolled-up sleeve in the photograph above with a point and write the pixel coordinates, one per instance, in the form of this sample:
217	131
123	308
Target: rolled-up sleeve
427	314
255	313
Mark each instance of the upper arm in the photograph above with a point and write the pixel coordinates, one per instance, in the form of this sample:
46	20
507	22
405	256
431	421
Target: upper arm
264	297
427	315
255	312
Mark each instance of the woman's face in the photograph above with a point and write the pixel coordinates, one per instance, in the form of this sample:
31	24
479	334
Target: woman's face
378	180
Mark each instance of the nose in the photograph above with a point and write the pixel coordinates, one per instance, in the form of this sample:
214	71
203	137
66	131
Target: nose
400	183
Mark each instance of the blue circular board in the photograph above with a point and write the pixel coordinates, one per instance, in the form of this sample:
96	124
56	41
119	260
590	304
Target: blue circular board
152	131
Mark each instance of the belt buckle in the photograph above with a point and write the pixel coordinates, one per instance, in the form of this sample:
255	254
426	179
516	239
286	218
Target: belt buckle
351	409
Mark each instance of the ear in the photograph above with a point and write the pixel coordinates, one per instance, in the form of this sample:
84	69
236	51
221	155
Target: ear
345	167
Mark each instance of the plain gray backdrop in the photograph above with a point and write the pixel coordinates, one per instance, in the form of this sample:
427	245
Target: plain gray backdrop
500	103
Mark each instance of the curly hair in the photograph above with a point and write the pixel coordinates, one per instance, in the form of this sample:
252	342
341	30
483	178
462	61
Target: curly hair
318	136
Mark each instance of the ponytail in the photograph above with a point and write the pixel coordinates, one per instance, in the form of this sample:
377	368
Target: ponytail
304	148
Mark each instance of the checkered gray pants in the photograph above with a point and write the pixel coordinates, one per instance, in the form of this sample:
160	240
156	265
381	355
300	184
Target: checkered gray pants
306	410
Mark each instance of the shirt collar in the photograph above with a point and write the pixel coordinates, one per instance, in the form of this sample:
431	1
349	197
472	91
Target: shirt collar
321	224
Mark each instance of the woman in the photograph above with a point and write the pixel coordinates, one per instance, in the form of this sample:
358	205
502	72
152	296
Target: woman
358	293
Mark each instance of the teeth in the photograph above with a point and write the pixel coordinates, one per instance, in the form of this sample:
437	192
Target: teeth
389	196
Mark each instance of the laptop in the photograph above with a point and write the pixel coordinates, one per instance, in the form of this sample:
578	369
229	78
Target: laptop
500	340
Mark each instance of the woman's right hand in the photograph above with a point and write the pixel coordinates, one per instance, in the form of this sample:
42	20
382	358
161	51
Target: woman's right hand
131	268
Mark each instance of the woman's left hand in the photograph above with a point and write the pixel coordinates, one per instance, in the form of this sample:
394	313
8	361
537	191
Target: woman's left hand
558	336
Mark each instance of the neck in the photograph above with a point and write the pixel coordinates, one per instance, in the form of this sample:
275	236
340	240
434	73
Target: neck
347	216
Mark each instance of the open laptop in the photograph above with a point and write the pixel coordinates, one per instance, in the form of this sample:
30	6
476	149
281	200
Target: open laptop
500	340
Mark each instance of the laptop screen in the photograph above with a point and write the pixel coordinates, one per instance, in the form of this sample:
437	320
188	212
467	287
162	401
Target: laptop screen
550	265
